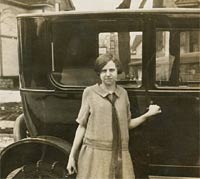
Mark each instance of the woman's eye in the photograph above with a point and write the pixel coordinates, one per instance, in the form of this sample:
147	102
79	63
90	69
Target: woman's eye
112	70
103	71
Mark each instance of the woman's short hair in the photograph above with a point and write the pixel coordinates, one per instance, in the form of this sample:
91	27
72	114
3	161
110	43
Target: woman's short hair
102	60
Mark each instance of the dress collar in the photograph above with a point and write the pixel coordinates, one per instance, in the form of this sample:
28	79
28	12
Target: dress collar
99	90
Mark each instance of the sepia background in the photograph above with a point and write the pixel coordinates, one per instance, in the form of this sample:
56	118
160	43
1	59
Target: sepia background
10	102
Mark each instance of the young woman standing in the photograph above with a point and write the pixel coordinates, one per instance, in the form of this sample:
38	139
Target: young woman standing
104	122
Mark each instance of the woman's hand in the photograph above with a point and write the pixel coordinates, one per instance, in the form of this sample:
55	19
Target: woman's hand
153	110
71	166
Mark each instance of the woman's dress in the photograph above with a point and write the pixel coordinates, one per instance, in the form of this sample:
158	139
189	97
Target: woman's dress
96	115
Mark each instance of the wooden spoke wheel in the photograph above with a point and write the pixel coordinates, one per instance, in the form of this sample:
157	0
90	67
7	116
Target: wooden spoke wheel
41	170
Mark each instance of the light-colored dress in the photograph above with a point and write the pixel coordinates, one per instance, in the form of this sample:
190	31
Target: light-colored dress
96	115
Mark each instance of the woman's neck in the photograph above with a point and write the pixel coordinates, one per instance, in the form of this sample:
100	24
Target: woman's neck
109	88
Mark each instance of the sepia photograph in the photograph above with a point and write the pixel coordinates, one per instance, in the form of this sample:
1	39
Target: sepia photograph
99	89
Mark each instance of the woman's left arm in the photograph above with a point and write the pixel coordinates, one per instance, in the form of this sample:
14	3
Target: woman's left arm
153	110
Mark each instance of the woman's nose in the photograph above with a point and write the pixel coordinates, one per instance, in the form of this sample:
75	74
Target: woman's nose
108	73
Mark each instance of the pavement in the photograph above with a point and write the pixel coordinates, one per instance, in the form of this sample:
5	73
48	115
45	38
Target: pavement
7	96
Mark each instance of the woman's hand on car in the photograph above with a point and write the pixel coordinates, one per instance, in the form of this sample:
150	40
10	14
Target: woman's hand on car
153	110
71	166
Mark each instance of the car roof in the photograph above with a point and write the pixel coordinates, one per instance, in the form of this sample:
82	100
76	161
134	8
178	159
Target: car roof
154	11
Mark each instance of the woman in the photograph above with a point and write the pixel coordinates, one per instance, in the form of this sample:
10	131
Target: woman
104	120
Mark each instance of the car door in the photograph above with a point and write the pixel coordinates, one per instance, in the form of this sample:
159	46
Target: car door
173	136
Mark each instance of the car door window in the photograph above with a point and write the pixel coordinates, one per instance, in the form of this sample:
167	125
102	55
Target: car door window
177	58
75	47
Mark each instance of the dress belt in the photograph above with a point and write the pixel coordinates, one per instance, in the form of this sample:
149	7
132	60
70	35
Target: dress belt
102	145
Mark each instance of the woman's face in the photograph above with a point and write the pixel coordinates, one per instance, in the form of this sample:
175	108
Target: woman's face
108	74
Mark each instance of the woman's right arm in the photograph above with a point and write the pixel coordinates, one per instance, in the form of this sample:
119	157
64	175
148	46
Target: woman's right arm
80	132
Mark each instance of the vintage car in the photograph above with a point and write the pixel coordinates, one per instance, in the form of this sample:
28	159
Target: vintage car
159	50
